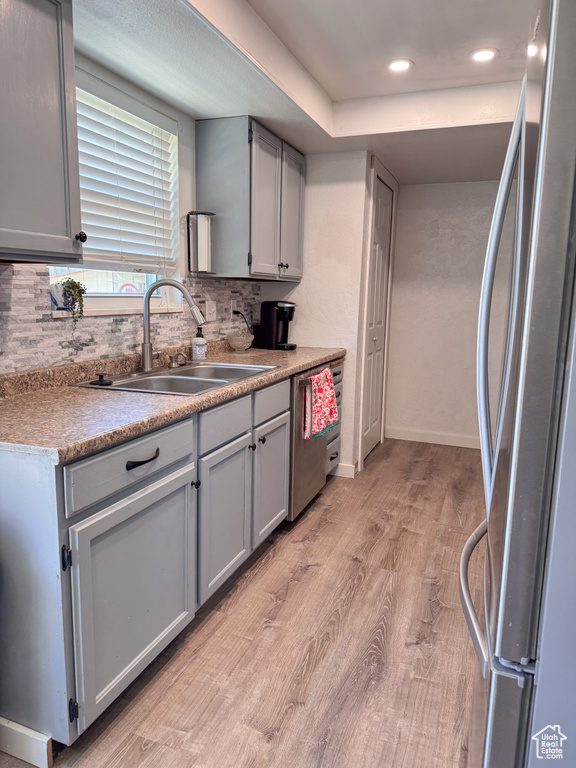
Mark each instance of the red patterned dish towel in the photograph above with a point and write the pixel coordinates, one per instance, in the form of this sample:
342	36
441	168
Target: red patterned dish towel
320	411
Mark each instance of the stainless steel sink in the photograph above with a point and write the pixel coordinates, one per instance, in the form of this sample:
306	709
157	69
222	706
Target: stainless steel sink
191	379
228	371
169	385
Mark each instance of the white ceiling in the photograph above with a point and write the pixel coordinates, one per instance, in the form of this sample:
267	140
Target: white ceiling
345	46
172	51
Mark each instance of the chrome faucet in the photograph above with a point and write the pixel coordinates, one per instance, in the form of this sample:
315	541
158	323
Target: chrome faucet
147	354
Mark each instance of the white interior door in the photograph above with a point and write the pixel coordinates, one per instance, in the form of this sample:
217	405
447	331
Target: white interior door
374	341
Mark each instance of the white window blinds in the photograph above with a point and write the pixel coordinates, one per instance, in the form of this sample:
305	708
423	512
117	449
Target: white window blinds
128	189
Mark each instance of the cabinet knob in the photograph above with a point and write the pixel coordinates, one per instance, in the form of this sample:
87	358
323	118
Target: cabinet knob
82	236
252	447
196	484
262	440
282	265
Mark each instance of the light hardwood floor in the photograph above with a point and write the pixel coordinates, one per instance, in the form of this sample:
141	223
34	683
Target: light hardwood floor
343	646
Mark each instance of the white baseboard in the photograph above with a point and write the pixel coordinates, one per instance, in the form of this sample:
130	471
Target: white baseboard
440	438
25	744
345	470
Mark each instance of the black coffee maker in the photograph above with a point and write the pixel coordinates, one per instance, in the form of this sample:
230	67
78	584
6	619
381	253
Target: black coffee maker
272	330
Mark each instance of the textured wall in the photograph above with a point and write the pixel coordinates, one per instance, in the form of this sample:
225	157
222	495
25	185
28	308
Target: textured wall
328	297
440	246
31	338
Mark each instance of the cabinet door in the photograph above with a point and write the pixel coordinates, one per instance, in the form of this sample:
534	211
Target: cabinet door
265	191
292	216
224	506
271	468
39	194
133	587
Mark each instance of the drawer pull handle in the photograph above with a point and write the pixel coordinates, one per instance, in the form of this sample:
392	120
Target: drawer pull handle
252	447
133	464
262	440
334	456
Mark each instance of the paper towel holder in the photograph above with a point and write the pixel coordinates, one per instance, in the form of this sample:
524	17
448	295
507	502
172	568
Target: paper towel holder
203	246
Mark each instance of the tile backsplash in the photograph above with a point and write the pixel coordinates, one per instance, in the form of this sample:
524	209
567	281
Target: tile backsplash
31	338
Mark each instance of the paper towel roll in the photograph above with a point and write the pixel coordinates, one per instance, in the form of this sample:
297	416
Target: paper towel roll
203	243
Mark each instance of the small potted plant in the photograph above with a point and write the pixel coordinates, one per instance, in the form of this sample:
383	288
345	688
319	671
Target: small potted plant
69	295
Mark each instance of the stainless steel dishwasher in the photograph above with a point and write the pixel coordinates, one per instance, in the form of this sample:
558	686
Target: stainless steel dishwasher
308	457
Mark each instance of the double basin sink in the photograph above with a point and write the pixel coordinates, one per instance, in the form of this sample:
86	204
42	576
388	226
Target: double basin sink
190	379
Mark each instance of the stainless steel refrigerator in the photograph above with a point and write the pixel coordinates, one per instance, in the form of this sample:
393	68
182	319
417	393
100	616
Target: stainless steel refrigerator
524	634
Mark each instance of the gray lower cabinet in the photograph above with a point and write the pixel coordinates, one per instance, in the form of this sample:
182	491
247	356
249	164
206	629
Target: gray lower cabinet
98	575
271	481
224	512
333	436
243	471
133	587
39	194
102	560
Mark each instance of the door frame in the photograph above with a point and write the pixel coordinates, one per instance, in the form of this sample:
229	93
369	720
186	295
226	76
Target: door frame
377	171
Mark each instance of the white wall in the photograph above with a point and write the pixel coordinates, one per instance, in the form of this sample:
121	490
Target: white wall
327	314
440	245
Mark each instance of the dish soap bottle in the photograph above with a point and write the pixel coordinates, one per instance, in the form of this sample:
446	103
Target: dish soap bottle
199	346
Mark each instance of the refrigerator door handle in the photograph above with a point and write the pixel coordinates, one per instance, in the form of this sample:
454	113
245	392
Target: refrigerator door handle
478	638
504	188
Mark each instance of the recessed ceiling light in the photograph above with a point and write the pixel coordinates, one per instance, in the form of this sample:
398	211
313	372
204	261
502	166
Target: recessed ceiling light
484	54
532	49
400	65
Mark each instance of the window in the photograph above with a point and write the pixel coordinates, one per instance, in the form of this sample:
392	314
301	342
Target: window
128	159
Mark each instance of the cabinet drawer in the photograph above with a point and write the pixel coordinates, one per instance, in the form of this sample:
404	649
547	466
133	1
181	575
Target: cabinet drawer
338	393
271	401
225	422
334	432
91	480
337	373
332	455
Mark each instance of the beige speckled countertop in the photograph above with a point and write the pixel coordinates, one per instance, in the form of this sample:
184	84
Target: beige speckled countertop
68	422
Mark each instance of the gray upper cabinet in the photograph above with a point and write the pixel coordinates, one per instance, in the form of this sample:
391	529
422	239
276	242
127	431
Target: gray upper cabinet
254	183
293	168
133	586
39	193
265	188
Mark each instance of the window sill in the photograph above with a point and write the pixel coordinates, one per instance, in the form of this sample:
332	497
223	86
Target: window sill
62	314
